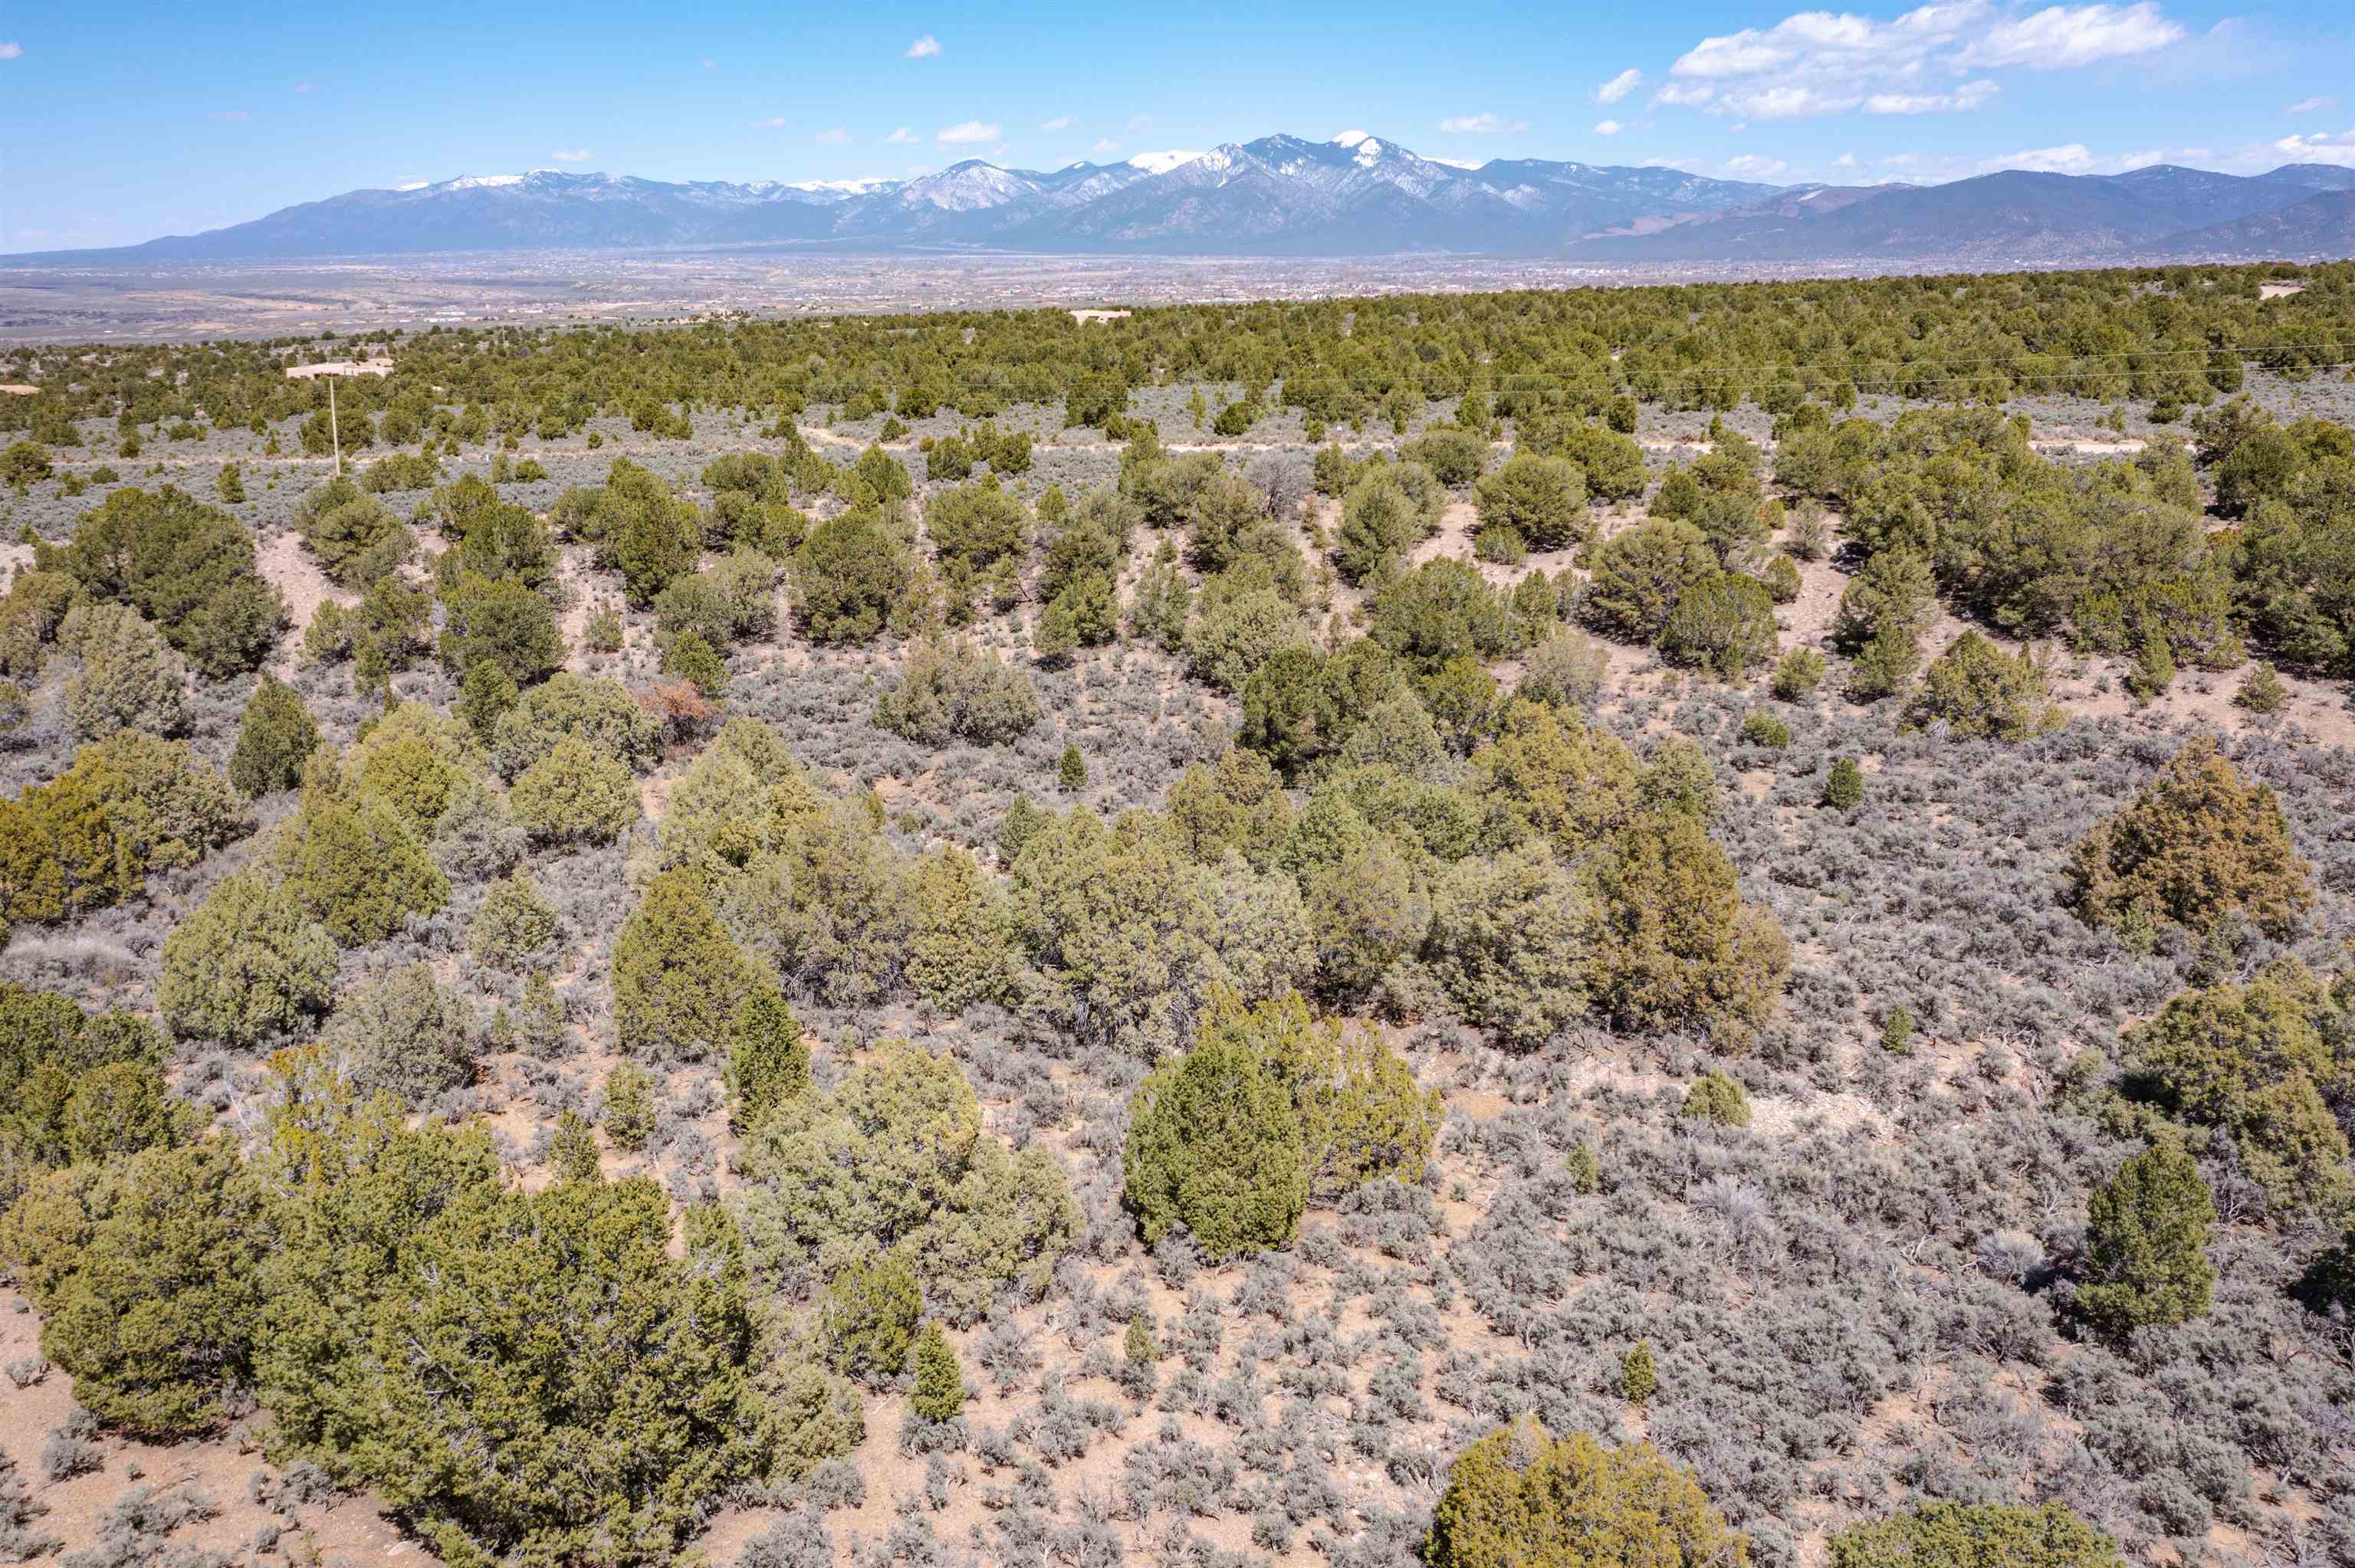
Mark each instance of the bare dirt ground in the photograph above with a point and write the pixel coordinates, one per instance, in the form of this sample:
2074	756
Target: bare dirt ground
352	1531
293	571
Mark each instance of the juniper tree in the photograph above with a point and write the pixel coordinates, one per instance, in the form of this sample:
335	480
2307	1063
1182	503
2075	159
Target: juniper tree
1550	774
2147	1237
2256	1060
572	1148
628	1116
1215	1144
1715	1098
247	964
1976	690
189	568
768	1063
1521	1498
1138	1346
405	1034
677	977
939	1394
1506	943
1797	674
1675	945
1640	574
356	867
2199	843
1544	498
1943	1534
598	711
1637	1378
516	927
274	737
485	694
129	678
145	1274
869	1316
895	1160
2261	691
1843	785
573	1389
960	951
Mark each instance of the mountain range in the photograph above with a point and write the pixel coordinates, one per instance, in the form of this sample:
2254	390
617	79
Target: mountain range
1355	195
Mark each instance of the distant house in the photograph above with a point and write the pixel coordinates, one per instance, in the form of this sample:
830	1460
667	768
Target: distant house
339	368
1083	317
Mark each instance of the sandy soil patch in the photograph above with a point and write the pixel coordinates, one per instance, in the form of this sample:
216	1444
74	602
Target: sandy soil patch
282	561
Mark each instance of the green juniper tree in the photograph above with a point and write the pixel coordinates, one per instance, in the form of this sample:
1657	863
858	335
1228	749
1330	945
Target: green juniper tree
2146	1240
939	1380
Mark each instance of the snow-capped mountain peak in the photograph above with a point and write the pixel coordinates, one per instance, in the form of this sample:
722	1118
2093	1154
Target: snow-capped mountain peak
1161	162
1355	194
831	187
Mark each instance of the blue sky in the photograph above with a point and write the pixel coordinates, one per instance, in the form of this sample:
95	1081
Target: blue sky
122	121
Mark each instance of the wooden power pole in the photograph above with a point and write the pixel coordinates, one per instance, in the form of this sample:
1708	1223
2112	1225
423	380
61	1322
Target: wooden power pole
334	434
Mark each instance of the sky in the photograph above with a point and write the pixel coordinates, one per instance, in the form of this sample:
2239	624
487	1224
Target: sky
122	121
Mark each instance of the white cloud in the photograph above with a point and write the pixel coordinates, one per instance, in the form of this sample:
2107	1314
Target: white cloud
1970	95
1784	103
773	122
901	137
569	155
1349	138
1104	145
1607	128
2060	37
12	51
833	136
1749	165
1162	163
2075	158
1061	122
967	132
2312	105
2319	148
923	49
1818	63
1619	86
1482	124
1845	161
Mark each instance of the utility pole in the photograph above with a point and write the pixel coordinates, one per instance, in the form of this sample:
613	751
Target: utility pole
334	434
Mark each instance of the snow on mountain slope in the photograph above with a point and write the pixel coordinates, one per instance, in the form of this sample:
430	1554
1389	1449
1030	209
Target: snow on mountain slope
1355	194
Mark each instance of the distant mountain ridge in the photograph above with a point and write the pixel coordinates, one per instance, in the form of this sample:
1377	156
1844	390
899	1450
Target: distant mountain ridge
1354	196
2162	211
